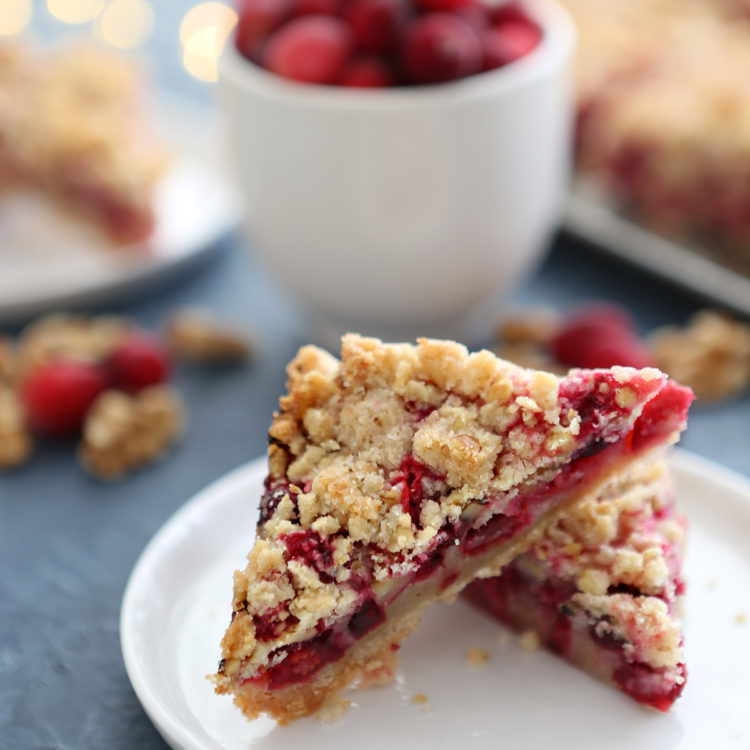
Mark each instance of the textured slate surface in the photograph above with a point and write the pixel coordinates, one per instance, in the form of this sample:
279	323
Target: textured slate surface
68	542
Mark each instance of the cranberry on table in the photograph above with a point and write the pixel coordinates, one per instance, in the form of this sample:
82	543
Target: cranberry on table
440	47
56	396
600	336
365	72
376	23
312	49
138	361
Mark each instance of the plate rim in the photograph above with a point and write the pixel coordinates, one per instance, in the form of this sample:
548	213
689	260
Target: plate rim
173	731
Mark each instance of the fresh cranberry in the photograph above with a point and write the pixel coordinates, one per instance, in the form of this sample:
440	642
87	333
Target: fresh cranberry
600	335
440	47
476	15
376	23
256	20
56	396
139	361
508	41
508	11
312	49
442	5
366	72
316	7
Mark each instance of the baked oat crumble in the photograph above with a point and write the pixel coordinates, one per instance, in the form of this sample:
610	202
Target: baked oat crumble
198	336
123	432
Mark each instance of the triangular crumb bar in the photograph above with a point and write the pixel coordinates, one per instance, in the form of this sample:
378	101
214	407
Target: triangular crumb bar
398	475
602	587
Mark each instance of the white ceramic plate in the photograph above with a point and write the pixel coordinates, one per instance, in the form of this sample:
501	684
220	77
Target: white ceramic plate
48	260
177	602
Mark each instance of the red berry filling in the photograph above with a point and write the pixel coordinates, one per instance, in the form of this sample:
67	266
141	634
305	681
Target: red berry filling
522	601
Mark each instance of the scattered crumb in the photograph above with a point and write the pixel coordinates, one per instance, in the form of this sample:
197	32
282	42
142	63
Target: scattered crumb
197	336
711	354
16	444
713	583
504	638
122	432
535	326
530	641
477	656
741	618
332	712
421	699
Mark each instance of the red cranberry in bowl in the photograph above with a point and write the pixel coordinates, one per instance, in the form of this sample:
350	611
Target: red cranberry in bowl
376	23
316	7
366	72
440	47
256	20
312	49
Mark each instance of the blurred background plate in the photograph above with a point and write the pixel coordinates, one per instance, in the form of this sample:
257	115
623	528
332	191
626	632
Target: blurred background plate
48	260
590	216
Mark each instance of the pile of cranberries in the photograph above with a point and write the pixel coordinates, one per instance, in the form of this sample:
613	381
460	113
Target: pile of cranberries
57	394
378	43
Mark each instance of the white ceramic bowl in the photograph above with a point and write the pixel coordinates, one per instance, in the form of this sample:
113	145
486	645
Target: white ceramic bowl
396	211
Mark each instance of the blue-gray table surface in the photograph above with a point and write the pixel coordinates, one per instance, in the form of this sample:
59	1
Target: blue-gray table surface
68	542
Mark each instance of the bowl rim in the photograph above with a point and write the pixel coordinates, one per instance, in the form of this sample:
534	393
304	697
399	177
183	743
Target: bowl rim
558	42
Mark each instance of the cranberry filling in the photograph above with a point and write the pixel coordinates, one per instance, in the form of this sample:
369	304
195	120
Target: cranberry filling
304	660
310	548
271	498
411	475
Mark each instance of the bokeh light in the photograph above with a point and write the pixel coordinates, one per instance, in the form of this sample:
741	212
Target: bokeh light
125	24
14	16
203	33
75	11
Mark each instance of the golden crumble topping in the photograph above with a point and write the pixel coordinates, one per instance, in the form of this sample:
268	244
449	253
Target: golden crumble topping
123	432
198	336
479	428
617	538
15	440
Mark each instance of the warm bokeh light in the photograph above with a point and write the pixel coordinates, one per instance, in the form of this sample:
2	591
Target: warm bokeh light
204	15
75	11
125	23
203	33
14	16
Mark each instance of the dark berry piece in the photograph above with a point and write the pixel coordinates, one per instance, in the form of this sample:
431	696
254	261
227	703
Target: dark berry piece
440	47
376	23
366	72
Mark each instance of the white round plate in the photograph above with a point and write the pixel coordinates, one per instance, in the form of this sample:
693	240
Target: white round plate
49	260
177	605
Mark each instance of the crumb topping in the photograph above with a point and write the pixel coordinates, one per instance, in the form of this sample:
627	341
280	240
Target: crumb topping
123	432
353	439
622	537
